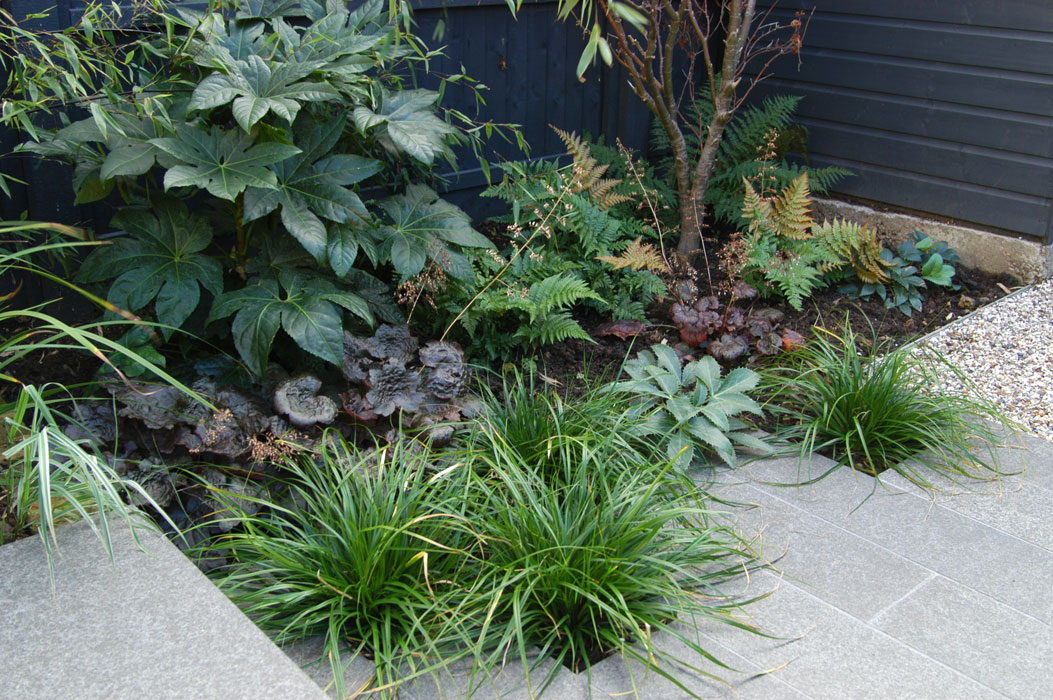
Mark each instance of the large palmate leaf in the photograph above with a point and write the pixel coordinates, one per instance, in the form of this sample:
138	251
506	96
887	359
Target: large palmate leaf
312	185
422	225
224	163
257	88
337	39
218	42
407	123
125	151
160	260
308	309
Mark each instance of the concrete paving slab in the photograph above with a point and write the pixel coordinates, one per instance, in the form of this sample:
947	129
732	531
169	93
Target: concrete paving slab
823	557
823	652
959	547
455	683
984	639
1015	505
153	627
739	678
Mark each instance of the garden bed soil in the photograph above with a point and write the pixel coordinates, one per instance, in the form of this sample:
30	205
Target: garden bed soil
573	364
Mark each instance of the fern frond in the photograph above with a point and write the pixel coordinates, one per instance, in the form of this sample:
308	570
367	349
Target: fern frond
795	276
557	292
586	173
755	209
790	210
636	256
555	328
848	243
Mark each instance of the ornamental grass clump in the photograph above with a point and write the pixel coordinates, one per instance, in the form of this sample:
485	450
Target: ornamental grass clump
368	549
598	551
878	408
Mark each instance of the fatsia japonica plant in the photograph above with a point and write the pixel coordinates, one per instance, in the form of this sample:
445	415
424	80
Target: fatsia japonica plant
239	139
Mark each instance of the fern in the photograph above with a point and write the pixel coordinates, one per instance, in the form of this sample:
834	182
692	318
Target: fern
796	275
557	292
553	329
636	256
785	214
744	139
586	173
849	244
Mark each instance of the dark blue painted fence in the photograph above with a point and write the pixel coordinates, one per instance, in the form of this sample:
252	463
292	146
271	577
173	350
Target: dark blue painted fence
527	63
941	107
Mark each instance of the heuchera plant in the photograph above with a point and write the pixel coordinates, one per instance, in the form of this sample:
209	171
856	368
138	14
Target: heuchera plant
729	334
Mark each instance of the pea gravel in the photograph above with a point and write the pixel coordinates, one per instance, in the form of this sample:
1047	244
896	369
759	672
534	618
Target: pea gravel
1006	350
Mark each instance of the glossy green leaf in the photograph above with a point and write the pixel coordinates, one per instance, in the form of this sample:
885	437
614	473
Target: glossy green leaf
224	163
256	88
312	185
408	119
308	310
161	259
419	219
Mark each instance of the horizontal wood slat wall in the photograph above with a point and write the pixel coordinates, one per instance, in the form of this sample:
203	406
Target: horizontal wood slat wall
941	107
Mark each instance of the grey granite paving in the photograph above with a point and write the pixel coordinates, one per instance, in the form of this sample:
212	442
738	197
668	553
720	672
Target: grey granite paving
152	627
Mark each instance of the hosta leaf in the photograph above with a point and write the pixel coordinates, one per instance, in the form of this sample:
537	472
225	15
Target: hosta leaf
160	257
224	163
257	88
407	118
311	185
419	219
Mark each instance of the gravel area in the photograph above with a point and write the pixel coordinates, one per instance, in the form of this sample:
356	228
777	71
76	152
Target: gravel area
1006	349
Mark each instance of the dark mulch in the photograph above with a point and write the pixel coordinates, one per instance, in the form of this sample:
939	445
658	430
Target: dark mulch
572	362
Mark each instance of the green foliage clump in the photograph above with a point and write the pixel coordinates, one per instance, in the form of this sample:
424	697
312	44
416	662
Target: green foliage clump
270	121
370	549
784	251
920	260
568	247
752	131
690	409
876	408
547	528
595	541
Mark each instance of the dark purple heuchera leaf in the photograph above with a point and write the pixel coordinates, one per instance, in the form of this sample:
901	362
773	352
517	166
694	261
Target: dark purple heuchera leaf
357	358
764	321
623	328
393	343
707	303
769	343
92	422
158	407
299	400
743	291
393	386
447	374
728	347
357	407
733	319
